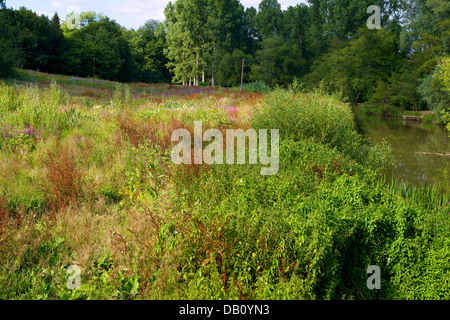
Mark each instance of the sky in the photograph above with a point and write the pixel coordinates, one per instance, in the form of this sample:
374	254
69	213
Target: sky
128	13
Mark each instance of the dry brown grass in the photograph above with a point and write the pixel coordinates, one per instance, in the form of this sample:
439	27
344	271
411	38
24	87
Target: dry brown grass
138	131
86	233
64	181
4	216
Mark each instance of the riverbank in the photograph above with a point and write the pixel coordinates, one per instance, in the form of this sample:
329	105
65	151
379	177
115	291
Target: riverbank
407	115
421	148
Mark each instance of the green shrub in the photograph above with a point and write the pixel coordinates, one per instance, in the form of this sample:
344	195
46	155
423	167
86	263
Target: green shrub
256	87
321	117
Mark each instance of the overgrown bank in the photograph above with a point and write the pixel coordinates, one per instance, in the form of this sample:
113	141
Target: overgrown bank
88	181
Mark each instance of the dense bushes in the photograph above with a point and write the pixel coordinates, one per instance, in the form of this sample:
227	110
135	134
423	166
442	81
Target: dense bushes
310	232
323	118
257	87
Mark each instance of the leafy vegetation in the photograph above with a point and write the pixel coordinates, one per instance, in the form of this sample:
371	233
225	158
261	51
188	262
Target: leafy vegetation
87	178
97	189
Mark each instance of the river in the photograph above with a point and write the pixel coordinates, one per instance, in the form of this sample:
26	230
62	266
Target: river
418	148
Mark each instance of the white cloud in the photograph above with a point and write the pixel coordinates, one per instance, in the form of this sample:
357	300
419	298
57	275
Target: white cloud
135	12
44	13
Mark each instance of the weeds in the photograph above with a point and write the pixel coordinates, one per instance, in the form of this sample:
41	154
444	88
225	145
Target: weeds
64	181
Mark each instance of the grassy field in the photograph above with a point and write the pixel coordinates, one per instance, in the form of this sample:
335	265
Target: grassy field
87	180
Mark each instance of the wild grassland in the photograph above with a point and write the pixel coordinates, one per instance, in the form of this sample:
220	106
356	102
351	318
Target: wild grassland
87	180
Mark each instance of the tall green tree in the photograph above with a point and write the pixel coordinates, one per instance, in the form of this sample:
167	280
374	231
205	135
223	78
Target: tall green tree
106	39
199	33
269	19
226	38
70	23
426	39
250	30
278	62
35	39
8	54
55	60
229	68
178	44
356	67
147	45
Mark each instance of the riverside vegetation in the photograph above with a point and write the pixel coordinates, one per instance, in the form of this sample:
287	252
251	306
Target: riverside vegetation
87	180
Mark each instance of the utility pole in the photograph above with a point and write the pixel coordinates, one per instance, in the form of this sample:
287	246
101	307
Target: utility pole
242	74
94	66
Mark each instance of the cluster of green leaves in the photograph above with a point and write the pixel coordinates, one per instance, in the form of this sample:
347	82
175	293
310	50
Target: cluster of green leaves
145	174
6	48
42	274
39	274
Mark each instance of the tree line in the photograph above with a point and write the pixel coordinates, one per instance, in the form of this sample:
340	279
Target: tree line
208	42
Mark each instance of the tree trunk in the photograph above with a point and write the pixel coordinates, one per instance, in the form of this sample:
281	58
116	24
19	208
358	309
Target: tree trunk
301	42
184	72
213	78
357	97
196	72
203	72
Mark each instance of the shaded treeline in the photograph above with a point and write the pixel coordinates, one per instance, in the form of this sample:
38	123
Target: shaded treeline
206	42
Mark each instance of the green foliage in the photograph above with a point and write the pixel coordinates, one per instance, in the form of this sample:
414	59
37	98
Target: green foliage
257	87
199	34
8	56
39	275
310	232
446	119
321	117
148	44
433	93
382	95
37	41
106	40
145	174
435	88
203	42
229	69
278	62
444	73
356	78
221	231
269	18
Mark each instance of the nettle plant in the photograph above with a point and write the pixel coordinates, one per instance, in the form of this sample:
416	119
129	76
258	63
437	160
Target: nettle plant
145	172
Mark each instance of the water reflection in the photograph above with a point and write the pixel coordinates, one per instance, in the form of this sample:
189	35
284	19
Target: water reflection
418	147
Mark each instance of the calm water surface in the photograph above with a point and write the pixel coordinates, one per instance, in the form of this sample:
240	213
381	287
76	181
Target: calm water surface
409	141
